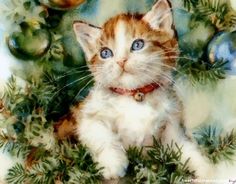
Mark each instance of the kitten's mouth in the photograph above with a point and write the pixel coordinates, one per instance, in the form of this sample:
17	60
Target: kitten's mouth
125	71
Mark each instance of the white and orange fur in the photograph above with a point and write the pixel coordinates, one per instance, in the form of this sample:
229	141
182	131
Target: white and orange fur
108	122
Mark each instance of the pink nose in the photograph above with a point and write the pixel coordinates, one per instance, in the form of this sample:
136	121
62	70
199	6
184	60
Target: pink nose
122	62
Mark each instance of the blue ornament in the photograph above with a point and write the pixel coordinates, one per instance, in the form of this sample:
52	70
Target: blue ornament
223	48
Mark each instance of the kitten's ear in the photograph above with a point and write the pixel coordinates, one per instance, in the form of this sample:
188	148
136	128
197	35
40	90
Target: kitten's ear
87	36
160	17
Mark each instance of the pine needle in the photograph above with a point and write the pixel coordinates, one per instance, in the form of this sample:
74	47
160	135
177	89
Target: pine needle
218	147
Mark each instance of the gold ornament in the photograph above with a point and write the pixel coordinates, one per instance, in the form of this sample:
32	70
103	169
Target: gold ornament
62	4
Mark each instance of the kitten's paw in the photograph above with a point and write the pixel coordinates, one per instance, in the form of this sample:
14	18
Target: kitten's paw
205	171
114	163
202	167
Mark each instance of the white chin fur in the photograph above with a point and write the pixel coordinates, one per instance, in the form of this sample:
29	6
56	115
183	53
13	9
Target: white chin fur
129	81
125	80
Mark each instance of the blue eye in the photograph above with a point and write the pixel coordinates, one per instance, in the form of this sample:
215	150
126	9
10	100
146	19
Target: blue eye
106	53
137	45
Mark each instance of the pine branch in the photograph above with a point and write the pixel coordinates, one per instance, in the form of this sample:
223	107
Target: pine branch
44	171
77	176
200	71
13	146
161	164
214	10
78	160
68	164
136	159
229	21
12	94
6	142
17	175
46	94
208	7
189	4
33	131
226	149
217	146
217	12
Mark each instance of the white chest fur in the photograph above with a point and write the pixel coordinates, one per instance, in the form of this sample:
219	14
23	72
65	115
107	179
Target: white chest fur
136	120
132	121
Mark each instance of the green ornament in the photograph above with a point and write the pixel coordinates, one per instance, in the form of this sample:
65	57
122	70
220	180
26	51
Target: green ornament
31	42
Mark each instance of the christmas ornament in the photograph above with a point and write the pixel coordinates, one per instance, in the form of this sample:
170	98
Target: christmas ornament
182	20
233	4
31	42
195	40
223	48
62	4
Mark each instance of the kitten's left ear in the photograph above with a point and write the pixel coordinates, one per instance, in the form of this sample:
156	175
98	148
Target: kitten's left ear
87	36
160	17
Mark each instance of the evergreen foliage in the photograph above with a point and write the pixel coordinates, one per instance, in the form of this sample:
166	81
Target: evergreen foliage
199	69
217	146
161	164
65	162
218	12
30	136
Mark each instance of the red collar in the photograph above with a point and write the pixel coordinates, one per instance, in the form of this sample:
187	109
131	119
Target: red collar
137	93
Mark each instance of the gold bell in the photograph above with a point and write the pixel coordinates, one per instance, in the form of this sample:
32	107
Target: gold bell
139	97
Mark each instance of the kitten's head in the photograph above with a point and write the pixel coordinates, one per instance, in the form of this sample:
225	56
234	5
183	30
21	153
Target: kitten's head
130	51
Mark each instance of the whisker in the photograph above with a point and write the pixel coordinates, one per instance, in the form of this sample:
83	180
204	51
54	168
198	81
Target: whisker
177	88
78	80
164	65
178	57
71	73
154	81
163	53
156	64
164	75
86	85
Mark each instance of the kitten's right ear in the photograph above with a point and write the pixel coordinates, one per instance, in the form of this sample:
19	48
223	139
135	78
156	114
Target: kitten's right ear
87	36
160	17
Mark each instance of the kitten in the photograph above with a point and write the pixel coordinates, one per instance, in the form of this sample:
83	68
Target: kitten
131	58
